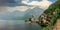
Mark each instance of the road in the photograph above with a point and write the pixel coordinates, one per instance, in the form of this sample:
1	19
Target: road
57	25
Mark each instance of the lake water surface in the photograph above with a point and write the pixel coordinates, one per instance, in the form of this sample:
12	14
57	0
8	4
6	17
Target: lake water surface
18	25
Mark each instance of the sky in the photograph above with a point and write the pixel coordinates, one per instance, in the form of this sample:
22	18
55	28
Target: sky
23	5
8	7
18	2
41	0
52	0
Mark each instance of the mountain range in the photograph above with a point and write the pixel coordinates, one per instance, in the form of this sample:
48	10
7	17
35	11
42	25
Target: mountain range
19	15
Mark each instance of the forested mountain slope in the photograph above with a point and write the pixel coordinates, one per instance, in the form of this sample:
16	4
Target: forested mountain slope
50	16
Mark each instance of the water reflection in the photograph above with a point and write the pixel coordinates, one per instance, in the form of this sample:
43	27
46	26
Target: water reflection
18	25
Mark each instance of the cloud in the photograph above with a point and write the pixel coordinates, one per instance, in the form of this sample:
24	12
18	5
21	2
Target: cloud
19	8
25	5
3	9
44	4
23	8
7	1
11	3
2	0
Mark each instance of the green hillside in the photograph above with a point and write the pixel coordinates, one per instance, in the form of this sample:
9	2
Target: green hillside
53	7
50	16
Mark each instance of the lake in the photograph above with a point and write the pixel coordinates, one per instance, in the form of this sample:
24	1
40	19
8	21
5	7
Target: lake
18	25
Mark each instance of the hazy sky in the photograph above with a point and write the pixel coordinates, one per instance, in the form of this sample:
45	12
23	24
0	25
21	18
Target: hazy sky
23	5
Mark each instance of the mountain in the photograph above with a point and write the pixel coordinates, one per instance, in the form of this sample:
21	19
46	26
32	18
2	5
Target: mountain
36	12
12	15
19	15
